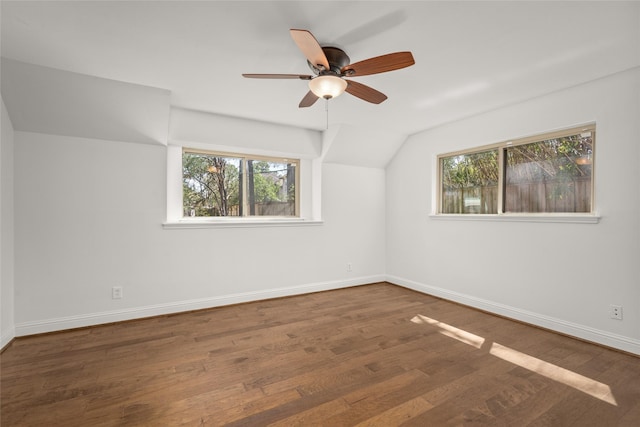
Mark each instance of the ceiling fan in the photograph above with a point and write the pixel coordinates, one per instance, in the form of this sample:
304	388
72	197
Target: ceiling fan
330	66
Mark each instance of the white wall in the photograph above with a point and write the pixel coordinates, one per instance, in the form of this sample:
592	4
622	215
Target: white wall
89	216
7	328
562	276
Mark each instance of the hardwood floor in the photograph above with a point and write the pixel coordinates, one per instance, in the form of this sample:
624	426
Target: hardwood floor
375	355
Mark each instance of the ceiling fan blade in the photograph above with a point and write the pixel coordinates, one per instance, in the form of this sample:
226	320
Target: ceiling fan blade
309	99
278	76
310	47
365	92
379	64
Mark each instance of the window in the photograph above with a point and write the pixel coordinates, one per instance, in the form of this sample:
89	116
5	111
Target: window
551	173
231	185
470	183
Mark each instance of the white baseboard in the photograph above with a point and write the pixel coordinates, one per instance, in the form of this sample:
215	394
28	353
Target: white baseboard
573	329
6	335
92	319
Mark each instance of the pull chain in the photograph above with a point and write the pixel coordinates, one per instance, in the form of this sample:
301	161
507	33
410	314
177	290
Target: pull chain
326	108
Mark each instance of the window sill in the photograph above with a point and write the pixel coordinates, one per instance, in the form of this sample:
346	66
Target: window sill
561	218
239	223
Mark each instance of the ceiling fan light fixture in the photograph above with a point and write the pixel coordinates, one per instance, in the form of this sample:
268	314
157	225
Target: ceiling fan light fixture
327	87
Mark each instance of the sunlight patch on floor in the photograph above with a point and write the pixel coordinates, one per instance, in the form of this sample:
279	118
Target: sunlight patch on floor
554	372
451	331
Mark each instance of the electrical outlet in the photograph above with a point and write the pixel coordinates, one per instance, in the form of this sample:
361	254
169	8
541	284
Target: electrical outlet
615	311
116	292
349	268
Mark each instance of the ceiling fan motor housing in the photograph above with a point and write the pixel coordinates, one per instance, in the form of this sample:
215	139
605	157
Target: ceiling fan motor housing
337	59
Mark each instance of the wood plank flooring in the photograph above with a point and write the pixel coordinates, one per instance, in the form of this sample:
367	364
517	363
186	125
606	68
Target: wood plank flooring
374	355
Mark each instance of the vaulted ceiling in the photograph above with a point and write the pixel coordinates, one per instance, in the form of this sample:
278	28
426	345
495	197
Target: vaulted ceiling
471	57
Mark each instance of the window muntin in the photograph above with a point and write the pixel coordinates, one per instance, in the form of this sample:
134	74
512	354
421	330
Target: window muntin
551	173
229	185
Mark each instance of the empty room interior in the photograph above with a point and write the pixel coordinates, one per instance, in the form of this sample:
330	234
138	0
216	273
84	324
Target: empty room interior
320	213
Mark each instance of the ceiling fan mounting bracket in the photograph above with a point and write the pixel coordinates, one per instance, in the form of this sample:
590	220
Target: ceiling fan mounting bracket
337	59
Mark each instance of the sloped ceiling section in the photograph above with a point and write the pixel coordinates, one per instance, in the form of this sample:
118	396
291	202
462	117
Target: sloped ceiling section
198	129
46	100
359	146
341	143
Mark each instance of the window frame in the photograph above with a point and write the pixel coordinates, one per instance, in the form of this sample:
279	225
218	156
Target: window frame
502	147
244	157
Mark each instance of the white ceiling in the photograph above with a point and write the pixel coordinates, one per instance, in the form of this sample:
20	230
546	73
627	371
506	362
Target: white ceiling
470	57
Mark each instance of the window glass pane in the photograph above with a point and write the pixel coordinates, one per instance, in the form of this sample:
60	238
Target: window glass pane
470	183
271	188
553	175
210	185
